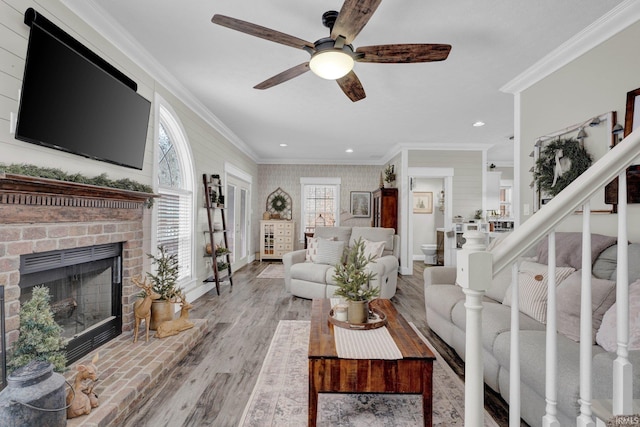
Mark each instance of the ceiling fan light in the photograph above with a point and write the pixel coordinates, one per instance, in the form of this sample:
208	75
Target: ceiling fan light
331	64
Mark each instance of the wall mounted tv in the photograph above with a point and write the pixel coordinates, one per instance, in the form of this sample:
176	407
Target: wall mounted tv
73	100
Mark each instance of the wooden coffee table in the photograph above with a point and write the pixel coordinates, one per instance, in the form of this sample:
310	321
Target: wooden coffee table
330	374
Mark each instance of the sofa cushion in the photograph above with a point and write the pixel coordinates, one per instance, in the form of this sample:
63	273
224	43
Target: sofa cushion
442	298
330	252
606	336
603	295
608	260
373	249
569	248
373	234
339	233
532	287
312	248
310	272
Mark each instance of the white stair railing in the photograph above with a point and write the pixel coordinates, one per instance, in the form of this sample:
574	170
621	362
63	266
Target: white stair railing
476	267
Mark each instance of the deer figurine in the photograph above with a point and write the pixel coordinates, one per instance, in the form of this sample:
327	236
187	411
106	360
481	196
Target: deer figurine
172	327
81	399
142	307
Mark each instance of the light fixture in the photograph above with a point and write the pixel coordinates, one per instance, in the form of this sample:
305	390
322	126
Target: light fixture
283	145
581	134
478	124
594	122
332	60
349	150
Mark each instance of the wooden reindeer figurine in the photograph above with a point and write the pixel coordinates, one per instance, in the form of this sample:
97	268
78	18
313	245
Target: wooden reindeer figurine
142	307
172	327
79	400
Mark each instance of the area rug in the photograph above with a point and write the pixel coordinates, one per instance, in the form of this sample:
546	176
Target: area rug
273	271
280	397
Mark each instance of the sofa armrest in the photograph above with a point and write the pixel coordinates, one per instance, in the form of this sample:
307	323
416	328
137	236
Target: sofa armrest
386	279
439	276
289	259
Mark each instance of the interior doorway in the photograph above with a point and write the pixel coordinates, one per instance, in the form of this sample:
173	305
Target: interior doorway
238	207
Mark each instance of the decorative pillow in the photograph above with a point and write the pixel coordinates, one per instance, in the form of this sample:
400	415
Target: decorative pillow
606	336
312	248
603	295
373	249
532	287
329	252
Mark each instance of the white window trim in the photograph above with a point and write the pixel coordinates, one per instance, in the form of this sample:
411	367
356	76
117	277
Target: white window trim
163	110
318	181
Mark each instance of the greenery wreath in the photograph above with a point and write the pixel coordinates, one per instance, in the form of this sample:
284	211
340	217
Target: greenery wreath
278	203
544	173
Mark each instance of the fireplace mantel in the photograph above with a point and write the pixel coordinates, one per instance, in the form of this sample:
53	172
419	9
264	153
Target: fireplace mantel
27	199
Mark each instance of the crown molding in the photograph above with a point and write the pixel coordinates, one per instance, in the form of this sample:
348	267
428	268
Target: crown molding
100	20
617	19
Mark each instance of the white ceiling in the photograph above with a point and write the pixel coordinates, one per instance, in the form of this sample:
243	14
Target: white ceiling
421	105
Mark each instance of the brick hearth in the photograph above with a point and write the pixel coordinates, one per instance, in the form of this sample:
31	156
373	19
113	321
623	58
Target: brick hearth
40	215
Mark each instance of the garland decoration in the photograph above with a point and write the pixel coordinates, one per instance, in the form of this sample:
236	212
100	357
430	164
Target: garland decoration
560	162
278	203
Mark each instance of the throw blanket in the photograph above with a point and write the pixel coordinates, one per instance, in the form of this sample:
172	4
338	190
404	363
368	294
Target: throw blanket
569	249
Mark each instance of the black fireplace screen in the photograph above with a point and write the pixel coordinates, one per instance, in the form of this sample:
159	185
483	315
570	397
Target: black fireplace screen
85	285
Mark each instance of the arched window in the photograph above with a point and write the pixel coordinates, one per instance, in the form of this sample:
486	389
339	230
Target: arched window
175	184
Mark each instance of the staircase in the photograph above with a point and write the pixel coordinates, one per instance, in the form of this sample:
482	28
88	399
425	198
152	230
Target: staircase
476	267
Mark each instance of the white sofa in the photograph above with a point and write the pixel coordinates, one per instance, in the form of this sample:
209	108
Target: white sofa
308	279
446	316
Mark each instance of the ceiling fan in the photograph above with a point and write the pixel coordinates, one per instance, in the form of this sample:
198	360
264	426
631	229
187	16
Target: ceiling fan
333	57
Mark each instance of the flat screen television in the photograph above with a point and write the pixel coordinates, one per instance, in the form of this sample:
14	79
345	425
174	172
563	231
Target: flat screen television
70	103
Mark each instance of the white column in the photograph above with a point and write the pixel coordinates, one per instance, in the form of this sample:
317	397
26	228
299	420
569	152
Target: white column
551	379
474	274
585	419
622	368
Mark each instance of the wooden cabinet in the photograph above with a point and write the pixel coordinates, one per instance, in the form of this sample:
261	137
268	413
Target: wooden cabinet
276	238
385	208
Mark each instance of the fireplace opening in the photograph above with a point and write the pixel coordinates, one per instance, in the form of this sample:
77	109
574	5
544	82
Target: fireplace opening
85	285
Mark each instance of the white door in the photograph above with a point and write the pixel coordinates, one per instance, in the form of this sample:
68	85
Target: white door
237	203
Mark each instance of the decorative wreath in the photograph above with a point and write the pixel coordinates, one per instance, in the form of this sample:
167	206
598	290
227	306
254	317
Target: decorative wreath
278	203
560	162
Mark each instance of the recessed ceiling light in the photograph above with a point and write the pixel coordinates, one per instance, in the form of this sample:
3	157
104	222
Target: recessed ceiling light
478	124
283	145
349	150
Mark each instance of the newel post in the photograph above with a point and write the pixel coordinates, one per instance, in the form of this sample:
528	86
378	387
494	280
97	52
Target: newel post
474	274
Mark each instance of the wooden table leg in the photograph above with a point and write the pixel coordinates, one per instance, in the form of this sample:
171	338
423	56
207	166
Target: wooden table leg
427	392
313	396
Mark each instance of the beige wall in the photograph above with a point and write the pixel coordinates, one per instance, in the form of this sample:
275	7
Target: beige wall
593	84
467	179
209	148
287	177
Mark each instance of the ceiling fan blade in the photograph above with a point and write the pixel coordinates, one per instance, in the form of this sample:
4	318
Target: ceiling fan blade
352	18
351	86
404	53
260	31
283	76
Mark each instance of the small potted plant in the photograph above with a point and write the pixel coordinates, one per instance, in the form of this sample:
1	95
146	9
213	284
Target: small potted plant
389	175
165	284
353	280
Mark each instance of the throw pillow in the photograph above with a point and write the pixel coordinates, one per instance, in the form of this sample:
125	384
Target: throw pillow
329	252
373	249
606	336
603	295
312	248
532	287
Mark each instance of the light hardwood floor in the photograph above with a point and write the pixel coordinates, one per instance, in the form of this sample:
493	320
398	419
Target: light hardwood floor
211	386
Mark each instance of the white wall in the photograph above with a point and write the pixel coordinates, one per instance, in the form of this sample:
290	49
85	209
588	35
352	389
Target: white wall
593	84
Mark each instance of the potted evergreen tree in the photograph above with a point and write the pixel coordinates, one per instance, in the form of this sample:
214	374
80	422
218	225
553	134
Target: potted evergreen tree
165	284
353	280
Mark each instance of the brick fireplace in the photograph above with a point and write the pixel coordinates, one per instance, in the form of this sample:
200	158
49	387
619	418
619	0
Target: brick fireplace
40	215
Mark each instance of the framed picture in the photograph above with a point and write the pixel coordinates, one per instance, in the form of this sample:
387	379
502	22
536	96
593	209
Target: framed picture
631	122
422	202
360	204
